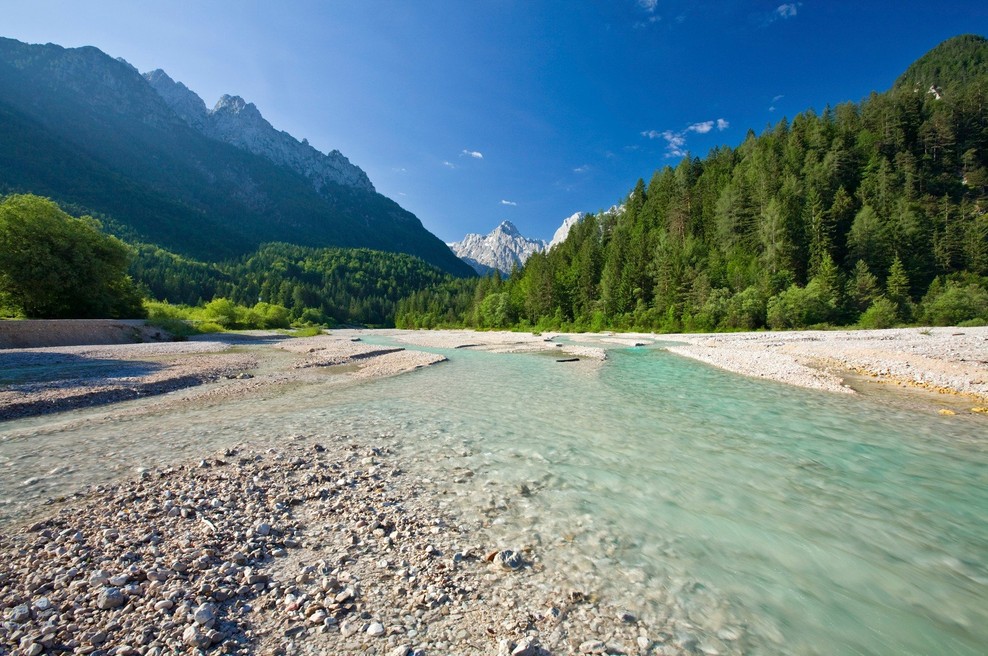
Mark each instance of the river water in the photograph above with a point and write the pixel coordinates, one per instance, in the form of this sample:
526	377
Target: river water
752	516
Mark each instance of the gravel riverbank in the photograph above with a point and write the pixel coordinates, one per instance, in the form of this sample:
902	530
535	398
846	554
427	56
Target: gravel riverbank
950	361
53	379
320	546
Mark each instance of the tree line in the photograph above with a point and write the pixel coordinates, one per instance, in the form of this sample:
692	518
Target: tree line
870	213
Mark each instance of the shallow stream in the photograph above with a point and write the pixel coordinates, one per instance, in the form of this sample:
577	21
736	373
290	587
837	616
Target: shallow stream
746	516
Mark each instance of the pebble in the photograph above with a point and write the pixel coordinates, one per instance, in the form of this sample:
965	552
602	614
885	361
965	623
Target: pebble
375	629
110	598
21	614
205	615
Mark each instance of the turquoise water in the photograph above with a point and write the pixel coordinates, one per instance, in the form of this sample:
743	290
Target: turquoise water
756	517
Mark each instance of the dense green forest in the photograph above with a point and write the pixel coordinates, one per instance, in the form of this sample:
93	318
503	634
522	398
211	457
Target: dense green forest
317	285
53	265
870	213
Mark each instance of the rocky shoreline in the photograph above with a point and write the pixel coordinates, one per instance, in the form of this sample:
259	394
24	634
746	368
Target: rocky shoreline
320	546
58	378
947	361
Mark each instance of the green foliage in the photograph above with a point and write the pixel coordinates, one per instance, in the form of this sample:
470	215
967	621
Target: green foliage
955	302
882	313
800	307
286	284
54	266
216	316
811	222
307	331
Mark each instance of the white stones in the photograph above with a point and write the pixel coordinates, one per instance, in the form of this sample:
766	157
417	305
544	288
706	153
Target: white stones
164	604
376	629
527	646
194	638
110	598
205	615
263	529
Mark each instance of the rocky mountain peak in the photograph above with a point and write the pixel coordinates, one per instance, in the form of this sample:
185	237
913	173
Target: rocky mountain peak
183	101
508	228
502	248
235	121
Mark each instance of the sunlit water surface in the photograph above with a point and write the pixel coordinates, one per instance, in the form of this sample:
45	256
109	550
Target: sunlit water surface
768	519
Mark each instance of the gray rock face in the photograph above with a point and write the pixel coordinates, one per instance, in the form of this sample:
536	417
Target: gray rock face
563	230
501	249
239	123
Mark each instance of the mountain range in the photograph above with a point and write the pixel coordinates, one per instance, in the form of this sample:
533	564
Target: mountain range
143	154
502	249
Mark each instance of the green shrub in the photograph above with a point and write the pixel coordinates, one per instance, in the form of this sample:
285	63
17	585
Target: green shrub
954	303
882	313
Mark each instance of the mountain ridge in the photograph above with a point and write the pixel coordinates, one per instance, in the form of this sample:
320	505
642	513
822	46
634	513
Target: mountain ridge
235	121
502	249
115	146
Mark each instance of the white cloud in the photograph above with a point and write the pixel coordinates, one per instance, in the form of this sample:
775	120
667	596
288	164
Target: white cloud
582	169
509	202
448	164
777	98
472	153
648	5
787	10
676	139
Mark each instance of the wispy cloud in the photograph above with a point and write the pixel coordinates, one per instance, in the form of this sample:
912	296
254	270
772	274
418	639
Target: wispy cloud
448	164
782	12
787	10
472	153
775	99
510	203
582	169
649	6
676	139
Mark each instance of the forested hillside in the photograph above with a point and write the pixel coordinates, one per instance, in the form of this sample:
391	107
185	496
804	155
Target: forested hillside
316	285
870	212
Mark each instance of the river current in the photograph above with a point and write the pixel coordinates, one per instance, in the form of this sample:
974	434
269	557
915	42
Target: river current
768	519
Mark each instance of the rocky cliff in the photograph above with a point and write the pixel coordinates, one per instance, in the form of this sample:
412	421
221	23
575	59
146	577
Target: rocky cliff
238	122
502	249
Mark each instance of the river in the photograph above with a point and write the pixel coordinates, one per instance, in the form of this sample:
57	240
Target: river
750	516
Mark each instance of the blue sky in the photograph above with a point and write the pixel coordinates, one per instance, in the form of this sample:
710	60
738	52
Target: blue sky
469	112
